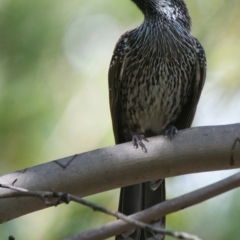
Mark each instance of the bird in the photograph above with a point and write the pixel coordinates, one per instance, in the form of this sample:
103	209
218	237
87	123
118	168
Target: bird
155	79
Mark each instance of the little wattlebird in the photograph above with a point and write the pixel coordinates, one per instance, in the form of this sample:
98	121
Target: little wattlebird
156	76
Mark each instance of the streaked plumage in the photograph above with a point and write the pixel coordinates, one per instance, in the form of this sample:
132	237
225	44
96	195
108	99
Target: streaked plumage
156	76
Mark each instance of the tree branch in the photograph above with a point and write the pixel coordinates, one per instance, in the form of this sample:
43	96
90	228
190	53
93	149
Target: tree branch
59	197
191	151
162	209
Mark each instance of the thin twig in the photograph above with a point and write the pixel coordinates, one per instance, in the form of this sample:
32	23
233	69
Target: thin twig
66	198
162	209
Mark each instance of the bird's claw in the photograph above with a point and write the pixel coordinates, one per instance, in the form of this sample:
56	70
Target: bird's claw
170	132
137	140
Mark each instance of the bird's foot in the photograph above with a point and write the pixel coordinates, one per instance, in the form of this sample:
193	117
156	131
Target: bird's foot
137	140
170	132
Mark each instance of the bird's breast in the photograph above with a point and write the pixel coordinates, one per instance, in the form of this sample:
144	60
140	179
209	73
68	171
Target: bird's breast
154	91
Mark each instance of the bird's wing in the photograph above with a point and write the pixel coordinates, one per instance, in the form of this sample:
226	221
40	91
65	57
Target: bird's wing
188	112
115	75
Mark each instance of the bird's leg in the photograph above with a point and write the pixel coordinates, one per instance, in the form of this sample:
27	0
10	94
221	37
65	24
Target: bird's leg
170	131
137	139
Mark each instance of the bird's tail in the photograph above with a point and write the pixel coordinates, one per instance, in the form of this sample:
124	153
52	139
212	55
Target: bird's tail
139	197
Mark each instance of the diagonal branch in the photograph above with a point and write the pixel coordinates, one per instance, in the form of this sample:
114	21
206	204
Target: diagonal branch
66	198
193	150
162	209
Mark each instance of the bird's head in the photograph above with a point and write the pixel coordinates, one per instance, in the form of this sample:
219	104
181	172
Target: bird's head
169	10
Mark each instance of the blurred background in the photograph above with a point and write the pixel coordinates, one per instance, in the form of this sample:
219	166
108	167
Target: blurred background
54	59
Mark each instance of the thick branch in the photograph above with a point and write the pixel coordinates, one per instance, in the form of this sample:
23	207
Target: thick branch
193	150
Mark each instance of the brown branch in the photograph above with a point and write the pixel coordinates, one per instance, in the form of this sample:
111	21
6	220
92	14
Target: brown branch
237	140
162	209
66	198
192	150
